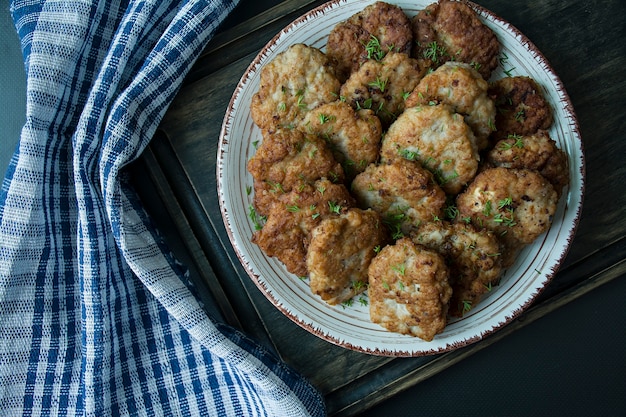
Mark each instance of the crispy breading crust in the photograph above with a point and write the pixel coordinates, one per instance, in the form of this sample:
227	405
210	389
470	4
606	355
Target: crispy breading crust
381	23
516	204
354	136
406	131
383	85
286	233
439	140
340	252
409	290
521	107
473	256
294	82
451	30
461	87
538	152
404	194
346	47
285	159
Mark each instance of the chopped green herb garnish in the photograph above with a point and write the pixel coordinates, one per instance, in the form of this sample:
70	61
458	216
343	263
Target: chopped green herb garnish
347	303
379	84
505	203
257	220
401	268
374	49
488	209
334	207
434	52
323	118
409	154
503	219
518	143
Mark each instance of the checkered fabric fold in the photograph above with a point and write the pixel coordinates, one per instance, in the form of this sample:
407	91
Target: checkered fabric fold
95	315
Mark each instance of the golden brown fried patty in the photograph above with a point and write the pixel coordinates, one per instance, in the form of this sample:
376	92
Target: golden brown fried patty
369	34
286	233
294	82
319	135
516	204
461	87
439	140
451	30
537	152
521	107
403	192
353	135
340	252
409	290
383	86
284	160
473	256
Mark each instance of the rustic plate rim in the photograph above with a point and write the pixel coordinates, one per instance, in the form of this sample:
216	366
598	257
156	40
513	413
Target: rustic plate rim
574	216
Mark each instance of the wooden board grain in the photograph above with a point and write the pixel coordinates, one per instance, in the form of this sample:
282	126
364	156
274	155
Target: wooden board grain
181	165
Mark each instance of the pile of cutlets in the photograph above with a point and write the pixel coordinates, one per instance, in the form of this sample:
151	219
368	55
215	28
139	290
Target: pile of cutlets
392	163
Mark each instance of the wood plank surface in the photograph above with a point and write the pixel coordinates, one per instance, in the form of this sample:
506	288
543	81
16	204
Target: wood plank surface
583	43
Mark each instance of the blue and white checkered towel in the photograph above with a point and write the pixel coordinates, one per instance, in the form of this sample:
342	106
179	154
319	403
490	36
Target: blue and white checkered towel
95	316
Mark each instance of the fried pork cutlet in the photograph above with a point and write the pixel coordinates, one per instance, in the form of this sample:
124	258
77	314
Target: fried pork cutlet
538	152
461	87
340	252
409	290
472	255
383	85
452	31
287	231
439	140
353	135
284	160
369	34
521	107
294	82
404	193
516	204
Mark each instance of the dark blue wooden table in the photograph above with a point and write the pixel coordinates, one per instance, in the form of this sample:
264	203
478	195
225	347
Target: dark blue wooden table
564	356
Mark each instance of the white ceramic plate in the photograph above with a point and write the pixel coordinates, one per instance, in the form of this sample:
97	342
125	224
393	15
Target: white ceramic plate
351	327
